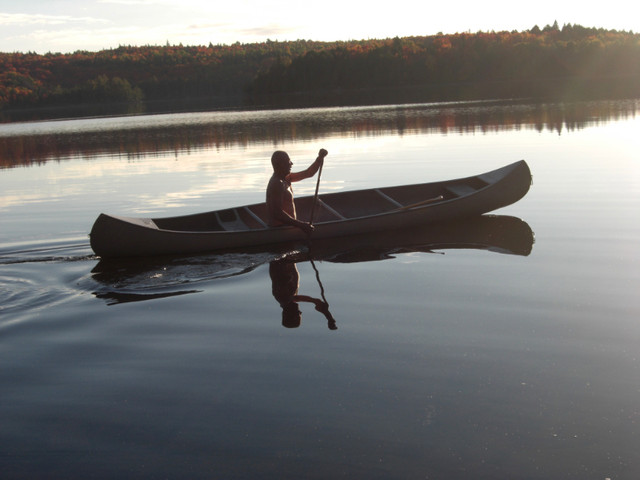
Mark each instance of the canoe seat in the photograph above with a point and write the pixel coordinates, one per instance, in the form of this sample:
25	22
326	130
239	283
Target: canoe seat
229	220
460	190
143	222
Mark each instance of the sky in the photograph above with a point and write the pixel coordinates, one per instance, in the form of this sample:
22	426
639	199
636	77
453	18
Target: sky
65	26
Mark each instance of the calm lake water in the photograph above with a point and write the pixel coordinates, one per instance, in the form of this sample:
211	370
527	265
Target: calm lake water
507	347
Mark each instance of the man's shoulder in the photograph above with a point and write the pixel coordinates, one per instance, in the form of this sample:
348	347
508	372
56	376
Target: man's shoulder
277	182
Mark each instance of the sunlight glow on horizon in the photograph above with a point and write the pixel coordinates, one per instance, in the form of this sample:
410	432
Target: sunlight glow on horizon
102	24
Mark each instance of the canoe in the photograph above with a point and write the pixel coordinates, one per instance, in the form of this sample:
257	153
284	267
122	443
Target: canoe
336	215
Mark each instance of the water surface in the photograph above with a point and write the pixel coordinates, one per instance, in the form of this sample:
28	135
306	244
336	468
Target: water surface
507	348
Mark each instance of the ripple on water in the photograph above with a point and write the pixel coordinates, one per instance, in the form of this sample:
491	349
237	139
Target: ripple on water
34	278
37	276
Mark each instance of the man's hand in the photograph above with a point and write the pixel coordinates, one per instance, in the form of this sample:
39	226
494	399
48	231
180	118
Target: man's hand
307	228
322	307
323	153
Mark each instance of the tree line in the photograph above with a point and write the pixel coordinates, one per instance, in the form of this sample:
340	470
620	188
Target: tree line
572	61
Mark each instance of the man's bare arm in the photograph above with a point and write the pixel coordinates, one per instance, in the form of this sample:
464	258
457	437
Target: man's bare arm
311	171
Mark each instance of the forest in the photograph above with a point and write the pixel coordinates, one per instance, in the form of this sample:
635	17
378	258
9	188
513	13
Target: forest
568	62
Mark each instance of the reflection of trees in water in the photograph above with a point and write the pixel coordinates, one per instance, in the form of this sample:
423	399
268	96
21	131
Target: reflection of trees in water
281	126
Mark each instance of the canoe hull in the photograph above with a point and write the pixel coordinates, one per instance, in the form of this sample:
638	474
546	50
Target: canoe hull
113	236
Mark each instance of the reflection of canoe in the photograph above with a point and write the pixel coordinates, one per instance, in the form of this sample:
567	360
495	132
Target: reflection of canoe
495	233
150	278
338	214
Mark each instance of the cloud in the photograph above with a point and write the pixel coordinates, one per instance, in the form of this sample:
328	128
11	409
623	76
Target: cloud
207	26
262	31
72	39
23	19
267	31
130	2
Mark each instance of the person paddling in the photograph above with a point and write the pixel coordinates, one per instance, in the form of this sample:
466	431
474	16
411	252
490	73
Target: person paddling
281	209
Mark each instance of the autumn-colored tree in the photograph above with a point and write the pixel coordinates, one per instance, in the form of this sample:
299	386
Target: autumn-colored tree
552	61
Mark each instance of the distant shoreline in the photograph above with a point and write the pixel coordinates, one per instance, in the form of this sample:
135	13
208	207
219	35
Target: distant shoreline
572	63
370	97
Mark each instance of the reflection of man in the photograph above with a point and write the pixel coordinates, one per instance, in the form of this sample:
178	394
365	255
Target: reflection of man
285	281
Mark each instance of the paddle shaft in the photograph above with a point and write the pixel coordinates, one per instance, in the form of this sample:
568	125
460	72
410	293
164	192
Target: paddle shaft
315	198
420	204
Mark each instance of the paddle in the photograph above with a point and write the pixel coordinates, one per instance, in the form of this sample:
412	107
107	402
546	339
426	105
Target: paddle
315	198
422	203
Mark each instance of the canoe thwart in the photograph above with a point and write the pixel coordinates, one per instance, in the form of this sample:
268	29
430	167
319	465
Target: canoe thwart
255	217
387	197
331	210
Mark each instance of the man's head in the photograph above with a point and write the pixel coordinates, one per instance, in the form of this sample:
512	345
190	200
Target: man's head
291	315
281	162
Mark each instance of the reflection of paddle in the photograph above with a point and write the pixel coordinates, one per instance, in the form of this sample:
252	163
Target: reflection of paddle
331	323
